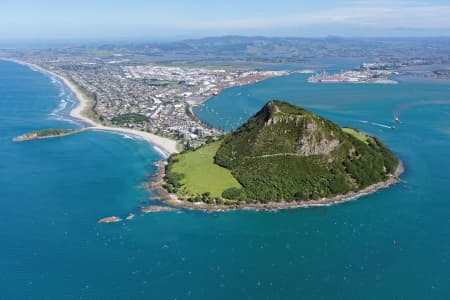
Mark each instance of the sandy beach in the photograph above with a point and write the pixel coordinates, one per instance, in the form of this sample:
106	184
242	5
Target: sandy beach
168	146
163	145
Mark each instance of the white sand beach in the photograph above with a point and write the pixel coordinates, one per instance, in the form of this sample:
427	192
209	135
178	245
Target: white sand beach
166	145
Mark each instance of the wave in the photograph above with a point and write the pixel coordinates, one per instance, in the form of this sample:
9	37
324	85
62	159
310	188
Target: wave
62	92
61	111
67	102
34	68
133	137
122	134
160	151
65	119
61	107
129	137
68	99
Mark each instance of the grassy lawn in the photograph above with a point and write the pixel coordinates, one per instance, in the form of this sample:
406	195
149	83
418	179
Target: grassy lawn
201	175
359	135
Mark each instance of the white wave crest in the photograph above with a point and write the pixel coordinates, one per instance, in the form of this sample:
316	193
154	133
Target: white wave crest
160	151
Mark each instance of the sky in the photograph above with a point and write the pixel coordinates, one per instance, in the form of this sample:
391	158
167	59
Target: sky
91	19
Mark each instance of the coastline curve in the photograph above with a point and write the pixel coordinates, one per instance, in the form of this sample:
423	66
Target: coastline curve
161	144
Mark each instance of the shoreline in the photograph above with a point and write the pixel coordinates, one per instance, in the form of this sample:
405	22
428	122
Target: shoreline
165	145
172	199
191	106
206	99
162	145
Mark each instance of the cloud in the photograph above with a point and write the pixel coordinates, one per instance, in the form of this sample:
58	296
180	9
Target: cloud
373	14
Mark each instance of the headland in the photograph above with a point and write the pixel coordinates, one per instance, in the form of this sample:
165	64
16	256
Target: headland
173	200
282	157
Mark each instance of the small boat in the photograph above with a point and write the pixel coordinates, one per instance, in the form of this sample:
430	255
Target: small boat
397	120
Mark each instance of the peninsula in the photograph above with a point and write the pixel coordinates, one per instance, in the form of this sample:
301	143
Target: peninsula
46	133
284	156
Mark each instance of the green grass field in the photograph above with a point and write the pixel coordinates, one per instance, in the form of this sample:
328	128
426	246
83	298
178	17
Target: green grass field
201	175
359	135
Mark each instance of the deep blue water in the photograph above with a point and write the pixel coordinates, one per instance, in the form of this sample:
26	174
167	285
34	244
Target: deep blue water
394	244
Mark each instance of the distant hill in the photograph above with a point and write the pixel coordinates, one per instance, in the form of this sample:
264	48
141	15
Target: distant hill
286	153
262	49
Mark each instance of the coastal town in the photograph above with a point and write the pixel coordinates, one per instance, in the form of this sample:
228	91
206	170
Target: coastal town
150	90
151	98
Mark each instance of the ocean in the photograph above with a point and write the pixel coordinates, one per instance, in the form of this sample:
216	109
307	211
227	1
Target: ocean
394	244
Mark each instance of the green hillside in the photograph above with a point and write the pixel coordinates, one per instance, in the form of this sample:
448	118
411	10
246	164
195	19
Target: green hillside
194	173
287	153
283	153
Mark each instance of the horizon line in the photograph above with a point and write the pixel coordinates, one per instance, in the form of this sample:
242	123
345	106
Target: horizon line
175	38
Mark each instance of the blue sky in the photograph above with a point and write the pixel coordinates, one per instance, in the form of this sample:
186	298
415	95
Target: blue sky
43	19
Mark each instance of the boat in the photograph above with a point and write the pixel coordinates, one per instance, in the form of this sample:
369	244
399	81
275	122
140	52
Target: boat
397	120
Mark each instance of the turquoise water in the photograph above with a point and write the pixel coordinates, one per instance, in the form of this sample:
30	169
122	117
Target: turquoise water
394	244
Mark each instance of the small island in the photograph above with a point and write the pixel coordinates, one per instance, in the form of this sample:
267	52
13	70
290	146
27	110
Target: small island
282	157
46	133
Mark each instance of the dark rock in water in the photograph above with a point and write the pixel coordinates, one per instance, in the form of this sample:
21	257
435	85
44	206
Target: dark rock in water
156	208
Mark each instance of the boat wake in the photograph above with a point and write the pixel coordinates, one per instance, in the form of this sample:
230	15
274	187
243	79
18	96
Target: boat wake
377	124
